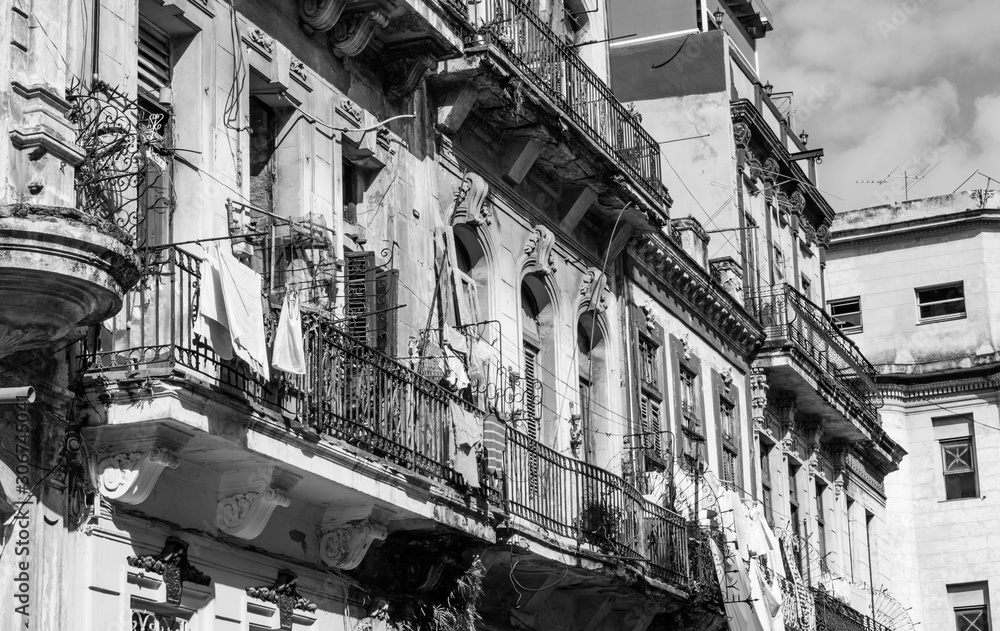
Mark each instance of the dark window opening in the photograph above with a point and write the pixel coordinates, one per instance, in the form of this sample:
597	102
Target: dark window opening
941	302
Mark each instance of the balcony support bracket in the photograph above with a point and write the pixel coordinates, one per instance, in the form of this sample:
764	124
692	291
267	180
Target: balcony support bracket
575	205
129	478
456	107
346	536
519	157
248	499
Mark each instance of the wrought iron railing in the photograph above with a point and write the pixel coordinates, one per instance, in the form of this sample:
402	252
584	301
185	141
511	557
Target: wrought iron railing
836	615
557	71
575	499
125	176
789	318
350	391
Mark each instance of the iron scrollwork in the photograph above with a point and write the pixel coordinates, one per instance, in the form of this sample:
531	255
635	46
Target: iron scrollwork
125	176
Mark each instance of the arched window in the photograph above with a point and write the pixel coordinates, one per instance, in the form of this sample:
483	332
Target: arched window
472	282
592	369
538	355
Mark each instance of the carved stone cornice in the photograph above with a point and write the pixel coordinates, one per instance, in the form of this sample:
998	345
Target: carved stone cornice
344	544
350	112
677	272
285	594
595	289
770	170
402	75
797	202
352	33
172	563
320	15
471	202
245	515
130	477
540	250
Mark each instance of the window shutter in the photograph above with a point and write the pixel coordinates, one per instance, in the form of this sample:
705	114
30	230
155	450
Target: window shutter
154	59
360	298
466	299
384	322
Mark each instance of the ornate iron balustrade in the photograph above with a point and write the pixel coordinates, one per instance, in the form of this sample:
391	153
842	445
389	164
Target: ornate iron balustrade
350	391
559	73
125	176
575	499
789	318
834	615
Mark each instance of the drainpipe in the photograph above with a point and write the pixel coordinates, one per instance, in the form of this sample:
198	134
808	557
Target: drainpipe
13	396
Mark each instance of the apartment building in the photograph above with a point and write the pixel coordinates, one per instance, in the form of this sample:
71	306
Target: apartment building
911	284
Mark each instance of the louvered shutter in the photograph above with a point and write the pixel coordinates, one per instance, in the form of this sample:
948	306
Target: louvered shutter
154	59
360	299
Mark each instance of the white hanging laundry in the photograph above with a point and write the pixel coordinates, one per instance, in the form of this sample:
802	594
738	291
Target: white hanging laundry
467	434
288	354
456	378
232	317
213	322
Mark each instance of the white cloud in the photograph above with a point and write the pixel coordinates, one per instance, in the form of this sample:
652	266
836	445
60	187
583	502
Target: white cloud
908	82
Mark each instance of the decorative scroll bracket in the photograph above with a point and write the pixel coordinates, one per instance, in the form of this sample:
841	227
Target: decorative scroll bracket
471	202
320	15
403	74
540	250
595	290
130	477
344	542
354	32
247	505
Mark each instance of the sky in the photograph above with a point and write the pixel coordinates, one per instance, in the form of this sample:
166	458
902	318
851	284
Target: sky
891	86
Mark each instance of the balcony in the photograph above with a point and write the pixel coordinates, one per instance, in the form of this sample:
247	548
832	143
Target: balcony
354	395
66	262
350	392
805	353
531	84
573	499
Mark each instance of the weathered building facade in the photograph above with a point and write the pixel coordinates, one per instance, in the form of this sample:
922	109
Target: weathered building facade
745	178
912	284
371	314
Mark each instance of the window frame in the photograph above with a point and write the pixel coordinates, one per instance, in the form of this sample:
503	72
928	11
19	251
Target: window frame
940	318
973	469
842	326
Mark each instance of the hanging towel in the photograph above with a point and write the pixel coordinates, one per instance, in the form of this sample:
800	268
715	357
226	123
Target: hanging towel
288	354
736	589
456	379
468	435
494	443
213	322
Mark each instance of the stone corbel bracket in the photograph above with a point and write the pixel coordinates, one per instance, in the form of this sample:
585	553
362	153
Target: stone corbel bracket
129	478
595	290
404	74
320	15
245	515
352	33
471	203
343	544
248	499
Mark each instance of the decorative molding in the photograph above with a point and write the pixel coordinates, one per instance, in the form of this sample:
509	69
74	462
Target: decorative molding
797	202
261	39
575	434
471	202
352	33
245	515
742	135
320	15
686	344
350	112
649	312
823	236
540	250
595	289
297	69
130	477
40	140
172	563
344	541
755	171
285	594
404	74
770	170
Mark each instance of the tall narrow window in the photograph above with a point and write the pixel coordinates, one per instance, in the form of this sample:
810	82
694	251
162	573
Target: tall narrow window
354	191
821	525
730	442
793	511
650	397
155	70
538	349
850	537
691	421
765	482
263	131
958	456
593	381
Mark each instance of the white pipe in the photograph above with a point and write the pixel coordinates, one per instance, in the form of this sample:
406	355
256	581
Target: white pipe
25	394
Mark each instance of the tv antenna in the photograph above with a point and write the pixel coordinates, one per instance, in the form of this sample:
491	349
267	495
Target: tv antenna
908	180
